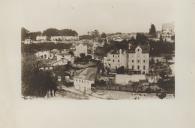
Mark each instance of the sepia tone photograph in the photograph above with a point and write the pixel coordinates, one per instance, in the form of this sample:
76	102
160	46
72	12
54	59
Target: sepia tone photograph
111	50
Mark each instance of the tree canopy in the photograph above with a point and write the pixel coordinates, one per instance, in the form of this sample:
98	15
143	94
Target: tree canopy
24	33
55	32
103	35
152	30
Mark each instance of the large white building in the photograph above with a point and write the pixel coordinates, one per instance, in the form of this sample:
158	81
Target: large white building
136	58
84	80
168	32
41	38
80	48
64	38
44	55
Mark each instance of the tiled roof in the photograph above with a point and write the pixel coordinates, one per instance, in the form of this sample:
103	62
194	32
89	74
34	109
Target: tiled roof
87	74
145	48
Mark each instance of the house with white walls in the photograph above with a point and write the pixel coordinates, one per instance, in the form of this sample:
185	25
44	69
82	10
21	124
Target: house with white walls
84	80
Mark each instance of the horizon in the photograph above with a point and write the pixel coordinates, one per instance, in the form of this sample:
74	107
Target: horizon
109	16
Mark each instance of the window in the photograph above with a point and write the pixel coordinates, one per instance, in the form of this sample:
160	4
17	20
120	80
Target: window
132	67
137	61
113	55
113	60
118	60
138	67
132	61
144	61
144	67
138	49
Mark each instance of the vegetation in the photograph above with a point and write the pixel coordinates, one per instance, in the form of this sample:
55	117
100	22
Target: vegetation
24	33
152	31
32	48
35	82
168	84
55	32
159	48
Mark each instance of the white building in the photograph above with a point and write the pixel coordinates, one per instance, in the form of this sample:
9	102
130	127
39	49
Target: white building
28	41
80	48
85	79
116	59
168	32
136	58
64	38
41	38
44	55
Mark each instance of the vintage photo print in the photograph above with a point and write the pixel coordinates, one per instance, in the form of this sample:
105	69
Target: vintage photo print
109	50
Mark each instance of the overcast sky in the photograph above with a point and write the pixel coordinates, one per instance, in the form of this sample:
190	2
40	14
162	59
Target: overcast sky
105	15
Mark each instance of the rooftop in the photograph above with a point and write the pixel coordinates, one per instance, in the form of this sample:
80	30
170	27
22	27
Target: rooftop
87	74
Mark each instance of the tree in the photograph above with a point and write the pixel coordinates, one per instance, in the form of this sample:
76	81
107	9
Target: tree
103	35
51	32
141	38
95	34
33	35
35	82
88	57
24	33
82	55
121	70
68	32
152	30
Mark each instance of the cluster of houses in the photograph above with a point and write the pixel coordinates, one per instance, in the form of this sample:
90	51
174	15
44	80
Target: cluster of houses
135	59
55	39
166	33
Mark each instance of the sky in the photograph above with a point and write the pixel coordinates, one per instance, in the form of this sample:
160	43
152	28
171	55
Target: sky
104	15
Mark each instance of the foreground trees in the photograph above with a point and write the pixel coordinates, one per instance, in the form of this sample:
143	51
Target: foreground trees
35	82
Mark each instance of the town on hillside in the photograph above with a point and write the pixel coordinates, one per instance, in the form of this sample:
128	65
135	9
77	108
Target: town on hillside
98	65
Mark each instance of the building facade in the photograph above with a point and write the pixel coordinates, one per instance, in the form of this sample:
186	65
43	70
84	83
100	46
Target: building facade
64	38
133	59
80	48
168	33
84	80
41	38
44	55
138	60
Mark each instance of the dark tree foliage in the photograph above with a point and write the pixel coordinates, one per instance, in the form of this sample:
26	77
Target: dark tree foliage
87	37
32	48
95	34
152	30
159	48
35	82
33	35
55	32
103	35
82	55
24	33
51	32
121	70
168	85
141	38
68	32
